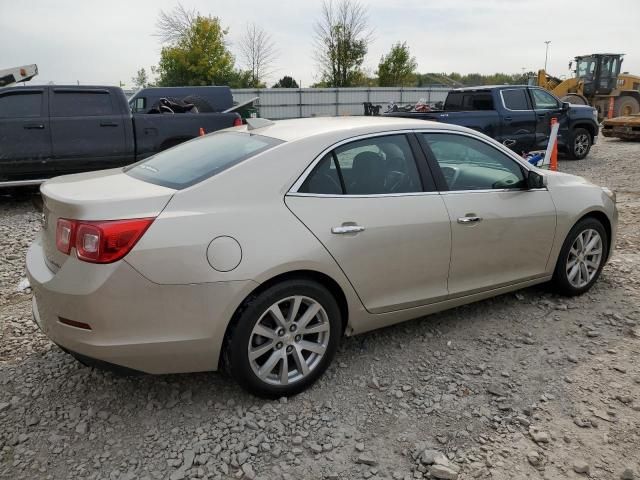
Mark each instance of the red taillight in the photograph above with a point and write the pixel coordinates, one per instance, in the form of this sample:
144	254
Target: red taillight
102	242
237	122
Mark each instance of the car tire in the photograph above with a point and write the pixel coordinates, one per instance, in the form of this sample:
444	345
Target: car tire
577	269
579	144
268	353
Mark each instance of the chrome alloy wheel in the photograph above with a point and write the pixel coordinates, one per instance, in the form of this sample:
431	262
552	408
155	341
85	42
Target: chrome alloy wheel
289	340
581	144
584	258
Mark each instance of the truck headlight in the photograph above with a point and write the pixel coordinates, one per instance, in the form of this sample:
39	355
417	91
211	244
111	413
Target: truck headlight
610	193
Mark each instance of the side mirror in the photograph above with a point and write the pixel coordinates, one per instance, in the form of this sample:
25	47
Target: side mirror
535	180
566	106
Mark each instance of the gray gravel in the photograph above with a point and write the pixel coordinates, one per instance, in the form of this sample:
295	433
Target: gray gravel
526	385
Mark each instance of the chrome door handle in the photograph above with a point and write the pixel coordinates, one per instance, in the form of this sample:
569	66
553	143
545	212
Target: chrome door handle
347	229
465	220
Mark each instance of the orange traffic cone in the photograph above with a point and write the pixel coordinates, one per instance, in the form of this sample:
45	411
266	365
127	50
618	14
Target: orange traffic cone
554	152
202	132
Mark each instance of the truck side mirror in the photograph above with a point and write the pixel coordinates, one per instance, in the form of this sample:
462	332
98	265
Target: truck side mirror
566	106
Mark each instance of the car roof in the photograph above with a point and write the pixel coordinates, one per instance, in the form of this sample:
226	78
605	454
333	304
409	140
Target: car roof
299	128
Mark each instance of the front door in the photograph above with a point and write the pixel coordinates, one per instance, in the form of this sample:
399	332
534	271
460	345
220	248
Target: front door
25	138
546	107
378	216
501	232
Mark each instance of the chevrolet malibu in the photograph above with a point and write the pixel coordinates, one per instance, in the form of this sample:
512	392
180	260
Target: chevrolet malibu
257	248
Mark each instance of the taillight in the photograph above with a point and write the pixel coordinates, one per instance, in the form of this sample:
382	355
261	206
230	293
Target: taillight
64	235
102	242
237	122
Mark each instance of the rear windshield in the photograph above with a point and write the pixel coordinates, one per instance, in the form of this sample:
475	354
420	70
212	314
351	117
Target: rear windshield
199	159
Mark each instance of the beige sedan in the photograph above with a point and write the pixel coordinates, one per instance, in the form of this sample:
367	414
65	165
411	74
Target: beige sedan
257	248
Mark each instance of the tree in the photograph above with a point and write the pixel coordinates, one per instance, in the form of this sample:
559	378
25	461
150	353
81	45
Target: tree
342	37
199	57
257	53
286	82
397	68
174	25
141	79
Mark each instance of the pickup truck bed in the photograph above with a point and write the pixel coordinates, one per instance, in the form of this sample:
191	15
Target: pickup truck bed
46	131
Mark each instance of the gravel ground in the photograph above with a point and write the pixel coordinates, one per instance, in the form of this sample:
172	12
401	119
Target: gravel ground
526	385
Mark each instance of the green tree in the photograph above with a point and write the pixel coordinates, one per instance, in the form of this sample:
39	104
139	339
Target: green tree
397	68
199	57
286	82
141	79
342	37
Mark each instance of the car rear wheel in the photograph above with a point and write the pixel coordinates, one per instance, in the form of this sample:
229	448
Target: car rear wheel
284	338
580	144
582	258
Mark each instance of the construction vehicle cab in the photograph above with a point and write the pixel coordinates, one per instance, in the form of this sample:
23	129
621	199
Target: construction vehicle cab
598	73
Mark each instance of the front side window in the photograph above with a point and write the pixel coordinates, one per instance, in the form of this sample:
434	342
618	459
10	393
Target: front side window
515	99
543	100
21	105
199	159
80	103
470	164
373	166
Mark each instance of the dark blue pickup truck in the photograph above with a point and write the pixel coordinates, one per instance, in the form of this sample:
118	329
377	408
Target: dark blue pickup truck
518	116
47	131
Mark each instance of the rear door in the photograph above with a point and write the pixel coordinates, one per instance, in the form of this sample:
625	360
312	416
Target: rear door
546	107
25	141
518	131
87	129
376	212
501	232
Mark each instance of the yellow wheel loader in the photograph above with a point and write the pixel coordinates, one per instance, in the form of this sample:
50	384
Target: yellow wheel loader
597	79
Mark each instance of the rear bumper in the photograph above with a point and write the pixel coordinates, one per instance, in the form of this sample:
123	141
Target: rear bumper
134	323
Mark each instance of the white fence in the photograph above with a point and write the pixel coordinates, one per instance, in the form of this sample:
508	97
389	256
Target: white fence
280	103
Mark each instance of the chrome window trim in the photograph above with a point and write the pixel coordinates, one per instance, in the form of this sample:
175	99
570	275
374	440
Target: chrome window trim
293	191
504	104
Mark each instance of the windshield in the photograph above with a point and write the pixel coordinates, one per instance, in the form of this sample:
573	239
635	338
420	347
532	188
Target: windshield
199	159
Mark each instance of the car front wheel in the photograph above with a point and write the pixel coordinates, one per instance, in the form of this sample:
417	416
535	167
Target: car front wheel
582	257
284	338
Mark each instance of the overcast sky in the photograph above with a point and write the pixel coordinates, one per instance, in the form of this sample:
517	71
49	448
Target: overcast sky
106	41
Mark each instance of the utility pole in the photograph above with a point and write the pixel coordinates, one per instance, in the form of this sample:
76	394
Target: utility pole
546	54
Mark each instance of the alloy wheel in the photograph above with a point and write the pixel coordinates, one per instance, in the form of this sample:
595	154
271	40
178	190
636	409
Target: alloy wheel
581	144
584	259
289	340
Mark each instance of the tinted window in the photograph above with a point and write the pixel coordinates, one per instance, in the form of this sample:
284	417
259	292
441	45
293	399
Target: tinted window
515	99
543	100
469	164
199	159
21	105
324	179
373	166
80	104
469	101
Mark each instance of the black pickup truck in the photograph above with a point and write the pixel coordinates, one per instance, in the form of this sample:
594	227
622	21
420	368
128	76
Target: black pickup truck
47	131
519	116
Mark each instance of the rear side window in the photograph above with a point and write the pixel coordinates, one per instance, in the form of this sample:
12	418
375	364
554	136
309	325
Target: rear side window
199	159
80	104
464	101
21	105
515	99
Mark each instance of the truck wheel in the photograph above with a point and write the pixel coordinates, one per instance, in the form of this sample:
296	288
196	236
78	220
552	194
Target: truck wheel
625	106
575	99
201	104
580	144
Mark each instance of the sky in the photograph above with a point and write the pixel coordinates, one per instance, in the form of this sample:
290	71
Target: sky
106	42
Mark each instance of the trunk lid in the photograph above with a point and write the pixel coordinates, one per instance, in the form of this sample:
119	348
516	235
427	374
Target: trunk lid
103	195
